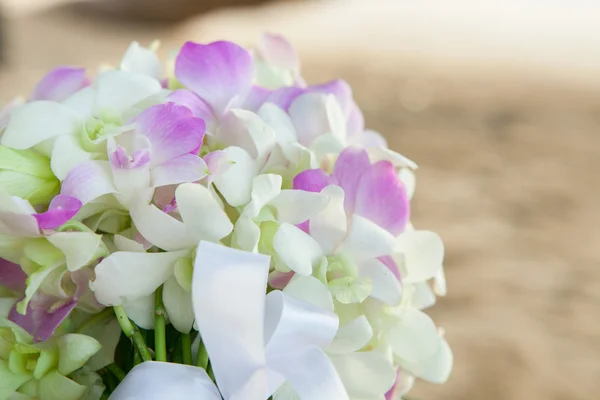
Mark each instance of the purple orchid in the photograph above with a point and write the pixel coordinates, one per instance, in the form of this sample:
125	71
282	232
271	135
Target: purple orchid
12	276
372	191
59	84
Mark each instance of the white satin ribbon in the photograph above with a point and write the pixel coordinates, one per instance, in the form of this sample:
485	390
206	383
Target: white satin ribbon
255	342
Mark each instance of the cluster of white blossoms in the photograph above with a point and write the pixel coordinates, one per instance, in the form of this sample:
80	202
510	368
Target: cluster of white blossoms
212	228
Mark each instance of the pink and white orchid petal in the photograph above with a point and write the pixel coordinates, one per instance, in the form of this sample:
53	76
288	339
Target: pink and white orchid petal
385	286
185	168
423	253
285	96
195	104
235	184
203	216
296	249
347	173
366	375
118	91
217	72
330	226
123	277
88	181
229	297
384	154
42	322
414	338
12	276
310	290
157	380
370	138
59	84
172	131
404	383
325	117
67	153
297	206
38	121
275	49
217	162
341	91
311	180
356	123
382	198
79	248
255	98
366	240
408	178
62	208
351	337
178	304
15	217
141	60
247	130
160	228
280	121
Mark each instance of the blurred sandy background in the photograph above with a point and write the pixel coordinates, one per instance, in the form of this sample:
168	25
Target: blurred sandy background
499	103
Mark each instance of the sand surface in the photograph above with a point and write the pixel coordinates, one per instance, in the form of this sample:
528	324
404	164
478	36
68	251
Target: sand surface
509	164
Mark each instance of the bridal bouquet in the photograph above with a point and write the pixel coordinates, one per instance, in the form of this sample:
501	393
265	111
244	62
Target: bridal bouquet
214	228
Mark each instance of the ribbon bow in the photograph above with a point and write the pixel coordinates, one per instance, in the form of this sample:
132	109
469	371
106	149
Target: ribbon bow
255	342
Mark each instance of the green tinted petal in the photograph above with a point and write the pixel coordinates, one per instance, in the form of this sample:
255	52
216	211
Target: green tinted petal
183	273
54	386
26	162
17	362
74	351
34	282
47	361
350	290
43	253
36	190
29	389
9	381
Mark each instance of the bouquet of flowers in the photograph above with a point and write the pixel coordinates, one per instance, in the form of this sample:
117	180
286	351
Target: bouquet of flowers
214	228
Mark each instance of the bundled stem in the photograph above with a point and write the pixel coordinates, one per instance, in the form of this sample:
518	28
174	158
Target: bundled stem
132	333
186	348
160	341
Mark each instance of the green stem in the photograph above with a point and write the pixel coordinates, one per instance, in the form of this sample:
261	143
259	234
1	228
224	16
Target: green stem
116	371
160	339
95	319
202	359
186	348
132	333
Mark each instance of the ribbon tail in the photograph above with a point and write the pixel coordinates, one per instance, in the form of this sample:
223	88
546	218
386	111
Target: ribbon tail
158	381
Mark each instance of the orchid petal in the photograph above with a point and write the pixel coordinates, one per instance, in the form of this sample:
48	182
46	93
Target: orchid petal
437	367
82	102
385	285
217	163
12	276
311	180
275	49
118	91
178	304
172	131
414	338
217	72
228	287
371	138
156	380
38	121
330	226
366	375
297	206
351	337
310	290
202	215
41	323
141	311
160	228
59	84
66	154
195	104
384	154
296	249
382	198
185	168
140	60
88	181
423	255
235	184
347	172
325	117
123	277
247	130
366	240
61	209
265	188
340	90
246	235
280	121
79	248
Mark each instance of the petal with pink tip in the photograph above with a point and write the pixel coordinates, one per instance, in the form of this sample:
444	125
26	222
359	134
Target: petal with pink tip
12	276
311	180
197	106
61	209
217	162
88	181
172	130
340	89
381	197
217	72
356	121
285	96
185	168
275	49
59	84
347	172
255	98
